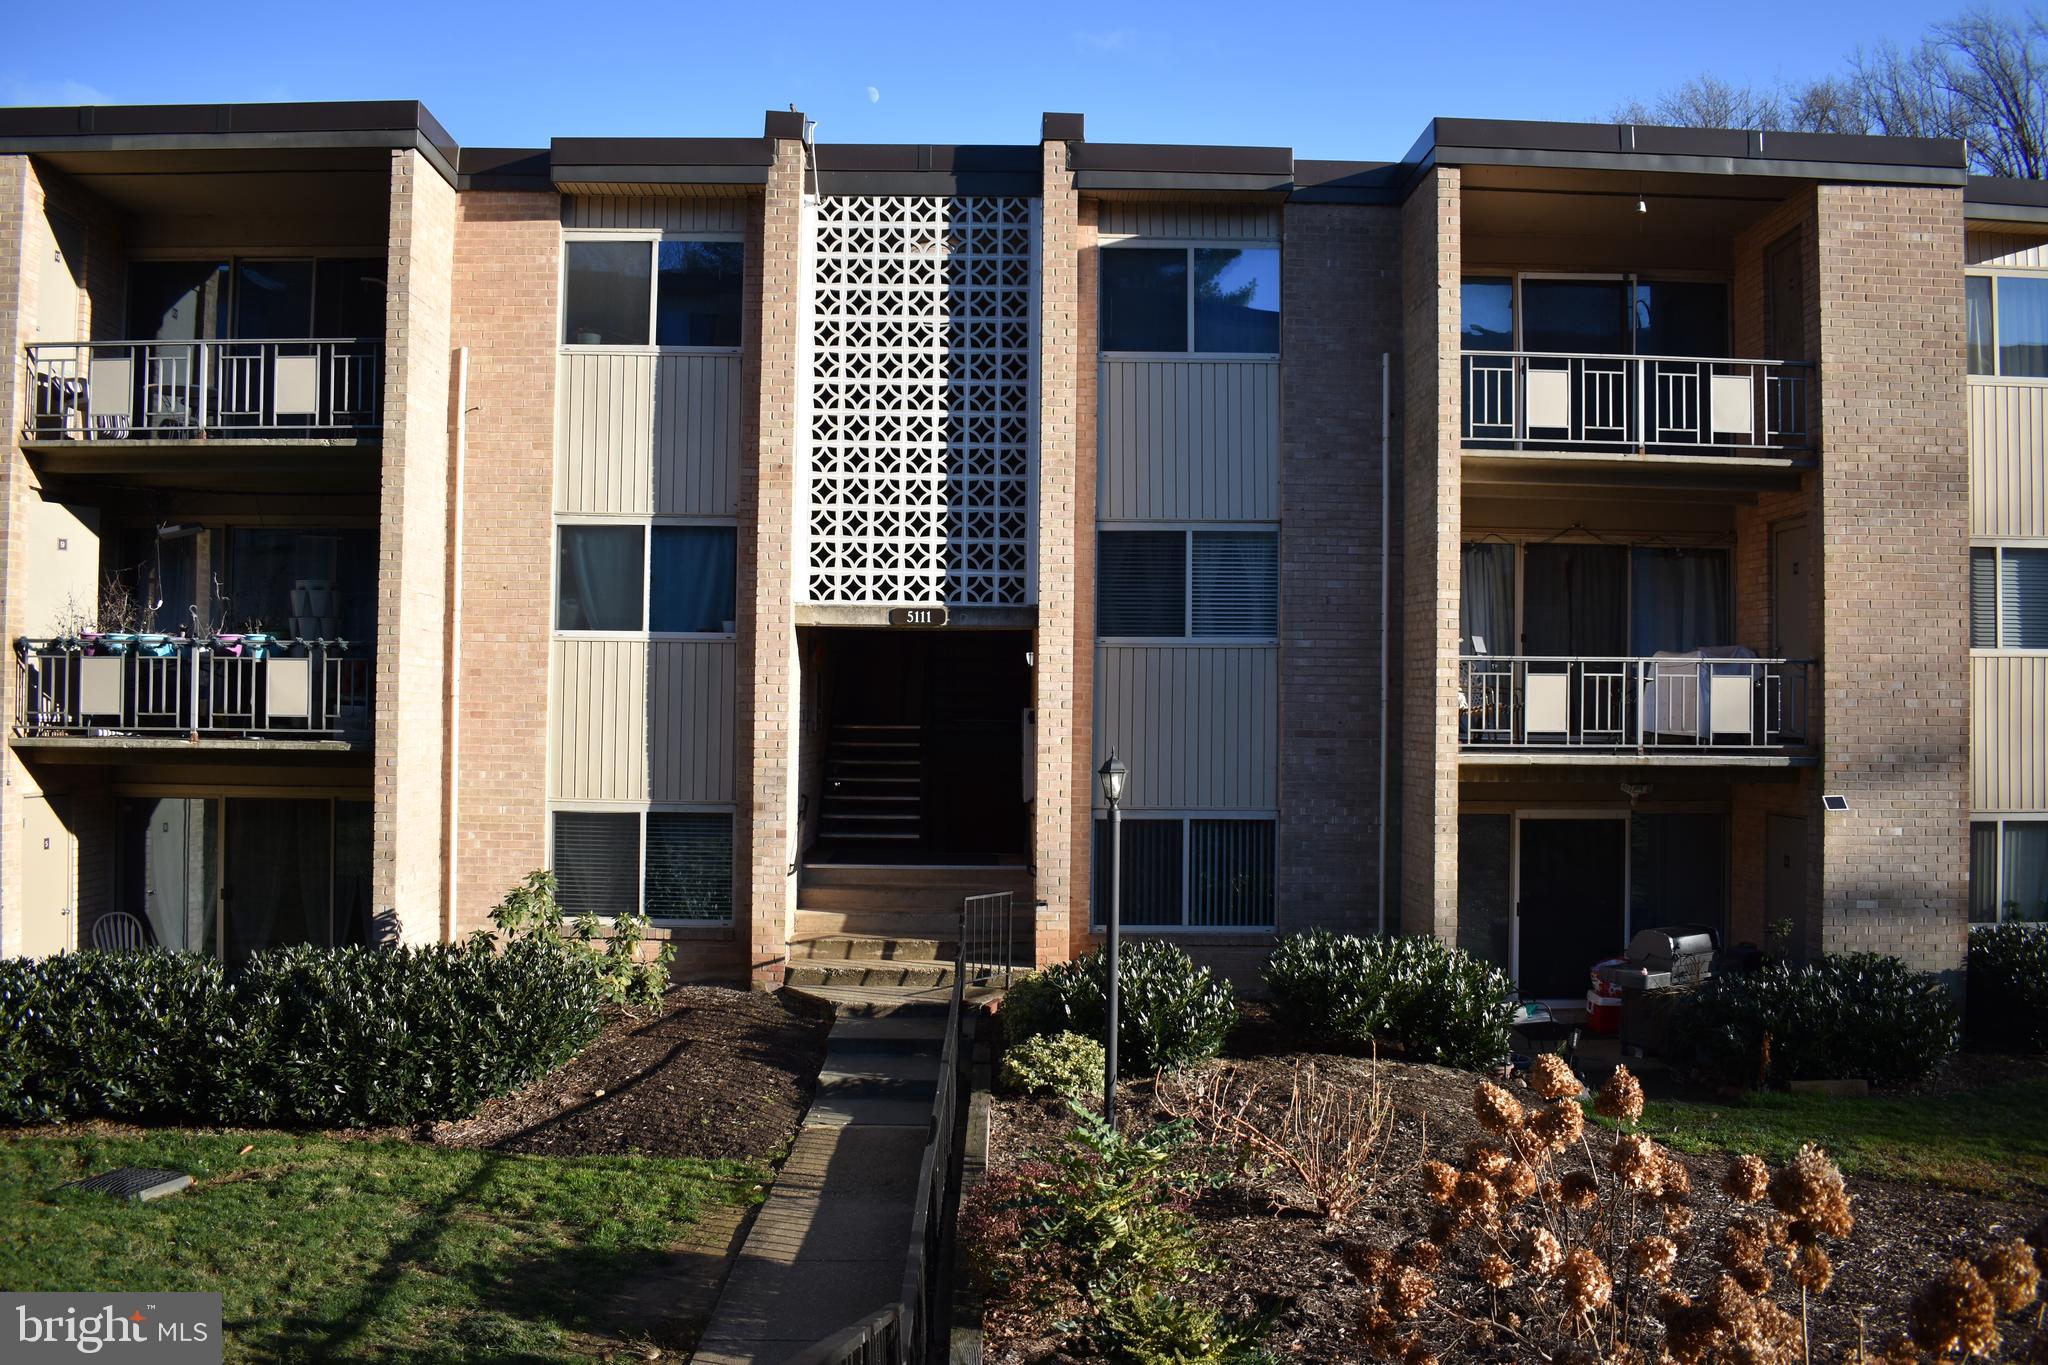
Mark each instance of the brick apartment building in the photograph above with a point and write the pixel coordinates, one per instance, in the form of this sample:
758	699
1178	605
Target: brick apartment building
1560	529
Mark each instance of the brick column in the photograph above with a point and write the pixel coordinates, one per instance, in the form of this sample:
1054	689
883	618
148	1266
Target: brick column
1893	538
507	292
1341	310
412	547
1431	516
21	203
765	832
1063	675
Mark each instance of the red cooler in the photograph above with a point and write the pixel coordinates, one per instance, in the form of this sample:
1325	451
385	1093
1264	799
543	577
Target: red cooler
1603	1001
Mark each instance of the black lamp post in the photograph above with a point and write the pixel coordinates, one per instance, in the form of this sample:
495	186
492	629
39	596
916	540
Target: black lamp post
1113	774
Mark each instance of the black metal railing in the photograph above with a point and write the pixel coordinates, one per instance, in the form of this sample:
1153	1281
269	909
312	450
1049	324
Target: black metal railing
155	685
1670	702
988	938
123	390
1518	399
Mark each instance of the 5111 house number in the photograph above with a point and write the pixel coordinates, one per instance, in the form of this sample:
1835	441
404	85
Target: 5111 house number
917	616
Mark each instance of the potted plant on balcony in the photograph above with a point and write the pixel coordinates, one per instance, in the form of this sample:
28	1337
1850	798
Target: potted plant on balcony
256	642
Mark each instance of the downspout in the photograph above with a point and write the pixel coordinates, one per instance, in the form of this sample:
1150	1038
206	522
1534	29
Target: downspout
1386	599
452	657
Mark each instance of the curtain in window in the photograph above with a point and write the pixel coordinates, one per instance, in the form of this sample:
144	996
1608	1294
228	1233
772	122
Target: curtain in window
2026	871
600	578
1486	611
1977	322
2023	327
1680	600
692	587
277	876
1678	866
1575	601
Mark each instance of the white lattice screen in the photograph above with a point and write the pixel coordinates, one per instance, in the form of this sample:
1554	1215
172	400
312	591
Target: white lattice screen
920	450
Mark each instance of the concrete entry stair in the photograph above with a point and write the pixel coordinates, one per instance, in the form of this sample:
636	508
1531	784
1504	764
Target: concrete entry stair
829	1247
882	937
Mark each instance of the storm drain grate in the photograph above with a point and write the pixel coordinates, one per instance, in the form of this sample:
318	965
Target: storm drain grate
134	1182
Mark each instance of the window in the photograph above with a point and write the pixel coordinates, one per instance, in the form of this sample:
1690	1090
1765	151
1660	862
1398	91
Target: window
2006	325
689	588
1189	872
1174	585
2009	871
1216	300
2008	598
1580	315
669	865
1486	319
678	293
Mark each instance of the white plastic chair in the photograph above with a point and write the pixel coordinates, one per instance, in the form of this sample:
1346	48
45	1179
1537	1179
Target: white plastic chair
120	932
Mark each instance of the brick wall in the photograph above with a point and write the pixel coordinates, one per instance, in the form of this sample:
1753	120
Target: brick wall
1430	566
1062	677
1340	311
21	201
506	294
764	826
412	546
1893	531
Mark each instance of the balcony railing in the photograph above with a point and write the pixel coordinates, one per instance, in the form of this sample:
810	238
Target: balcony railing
1675	404
122	390
1669	703
150	685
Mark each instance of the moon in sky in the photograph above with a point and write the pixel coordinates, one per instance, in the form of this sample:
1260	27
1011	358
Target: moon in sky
874	95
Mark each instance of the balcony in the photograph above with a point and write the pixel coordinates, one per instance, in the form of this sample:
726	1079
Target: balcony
146	686
102	392
1606	405
1674	706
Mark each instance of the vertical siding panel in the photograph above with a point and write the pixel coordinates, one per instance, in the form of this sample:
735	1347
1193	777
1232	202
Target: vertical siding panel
2008	425
1189	440
598	731
606	431
1197	724
696	445
691	720
2009	732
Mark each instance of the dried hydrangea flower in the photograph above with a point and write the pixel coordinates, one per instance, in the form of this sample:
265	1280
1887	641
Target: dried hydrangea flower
1497	1110
1955	1311
1540	1252
1473	1194
1517	1182
1418	1354
1677	1213
1579	1189
1497	1271
1811	1269
1557	1126
1406	1291
1898	1349
1654	1257
1438	1180
2009	1271
1420	1253
1744	1243
1369	1264
1486	1160
1587	1284
1621	1098
1639	1163
1810	1191
1675	1177
1747	1179
1552	1077
1445	1226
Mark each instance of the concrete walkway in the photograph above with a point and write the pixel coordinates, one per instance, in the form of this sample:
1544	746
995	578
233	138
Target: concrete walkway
828	1247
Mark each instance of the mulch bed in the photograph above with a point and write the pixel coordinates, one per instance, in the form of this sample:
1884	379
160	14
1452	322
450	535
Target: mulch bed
715	1074
1278	1261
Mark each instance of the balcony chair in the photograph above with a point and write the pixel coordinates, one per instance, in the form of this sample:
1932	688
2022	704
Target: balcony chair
118	931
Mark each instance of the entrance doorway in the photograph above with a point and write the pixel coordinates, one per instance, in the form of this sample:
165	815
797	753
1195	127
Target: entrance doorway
914	746
49	875
1571	899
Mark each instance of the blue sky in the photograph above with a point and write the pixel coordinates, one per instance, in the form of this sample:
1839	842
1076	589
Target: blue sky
1351	81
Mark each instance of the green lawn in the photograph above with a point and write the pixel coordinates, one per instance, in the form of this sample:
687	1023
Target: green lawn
1991	1141
376	1250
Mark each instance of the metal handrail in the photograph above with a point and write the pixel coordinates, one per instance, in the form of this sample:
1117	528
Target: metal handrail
1671	702
292	688
128	390
987	922
1552	399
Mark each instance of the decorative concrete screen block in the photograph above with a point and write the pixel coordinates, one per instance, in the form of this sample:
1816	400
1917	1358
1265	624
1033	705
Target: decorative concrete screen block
290	695
1730	393
920	438
298	385
1550	703
99	687
1550	399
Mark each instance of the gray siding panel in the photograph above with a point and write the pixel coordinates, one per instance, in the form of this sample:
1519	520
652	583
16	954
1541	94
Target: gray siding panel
1190	220
2008	469
697	435
644	214
1189	440
1196	724
2008	733
691	720
598	733
605	433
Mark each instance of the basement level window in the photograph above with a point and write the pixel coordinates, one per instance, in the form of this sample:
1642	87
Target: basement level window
1186	872
2009	871
669	865
1222	300
676	293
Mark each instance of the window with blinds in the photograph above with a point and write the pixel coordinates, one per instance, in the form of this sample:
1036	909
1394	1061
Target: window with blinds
1177	585
1185	872
669	865
2008	598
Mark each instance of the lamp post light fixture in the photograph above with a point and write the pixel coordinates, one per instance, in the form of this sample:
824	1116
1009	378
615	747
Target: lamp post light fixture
1113	773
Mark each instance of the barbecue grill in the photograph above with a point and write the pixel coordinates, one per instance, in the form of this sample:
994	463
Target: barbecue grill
1667	956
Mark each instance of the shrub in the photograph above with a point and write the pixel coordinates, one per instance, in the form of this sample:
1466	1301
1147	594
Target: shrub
2008	988
1064	1064
1852	1015
1435	1002
1170	1013
530	910
1147	1326
1109	1207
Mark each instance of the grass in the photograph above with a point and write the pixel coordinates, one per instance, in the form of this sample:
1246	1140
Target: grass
324	1248
1990	1141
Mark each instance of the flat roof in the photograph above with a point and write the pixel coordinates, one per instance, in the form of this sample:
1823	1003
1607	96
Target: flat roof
629	164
